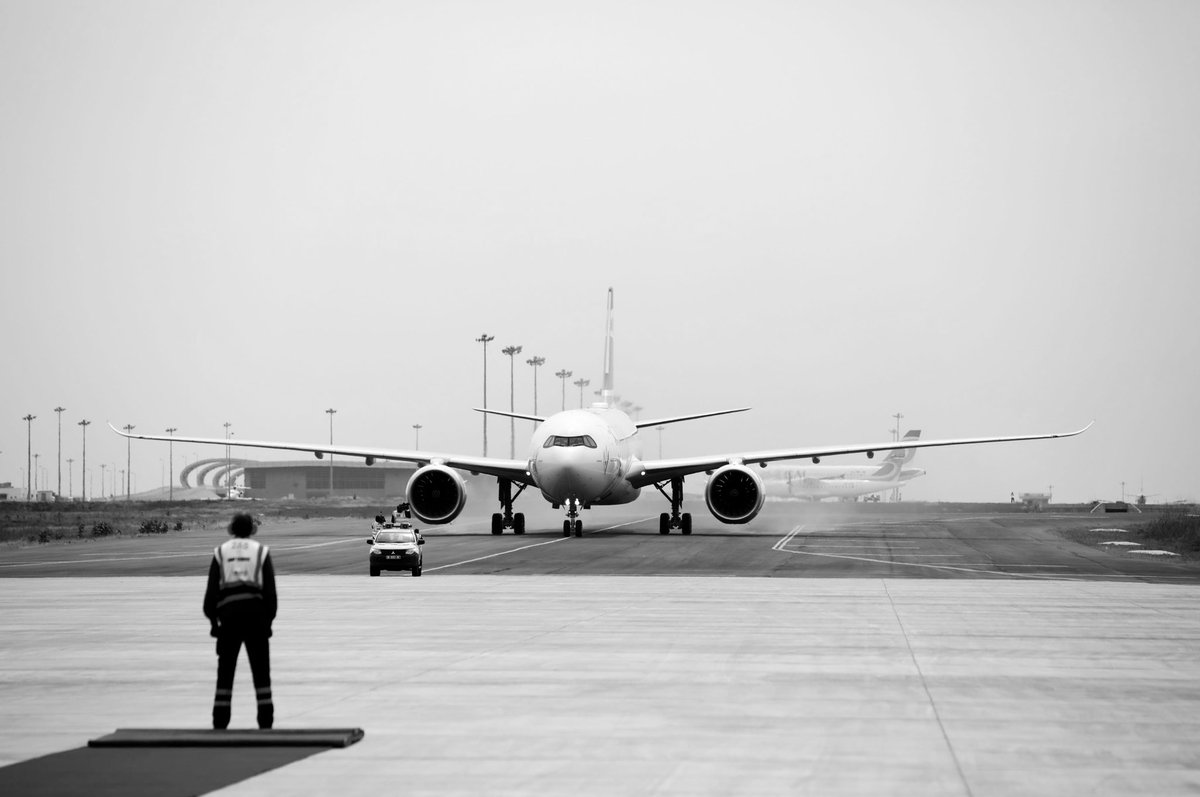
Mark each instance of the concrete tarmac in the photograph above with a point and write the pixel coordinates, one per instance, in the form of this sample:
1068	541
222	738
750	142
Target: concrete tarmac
550	669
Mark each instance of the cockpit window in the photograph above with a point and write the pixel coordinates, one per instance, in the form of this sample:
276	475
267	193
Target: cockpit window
569	441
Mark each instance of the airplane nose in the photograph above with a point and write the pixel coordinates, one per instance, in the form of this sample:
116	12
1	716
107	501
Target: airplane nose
561	472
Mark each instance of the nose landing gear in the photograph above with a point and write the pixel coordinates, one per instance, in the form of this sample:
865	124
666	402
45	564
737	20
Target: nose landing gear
572	523
508	520
675	519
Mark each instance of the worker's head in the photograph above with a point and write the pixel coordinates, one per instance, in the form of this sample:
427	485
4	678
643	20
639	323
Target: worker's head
242	525
379	518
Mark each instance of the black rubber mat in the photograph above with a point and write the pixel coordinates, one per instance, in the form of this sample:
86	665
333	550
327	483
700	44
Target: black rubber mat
169	771
176	737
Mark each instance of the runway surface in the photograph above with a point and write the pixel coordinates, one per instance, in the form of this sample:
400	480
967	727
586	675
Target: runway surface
788	540
818	651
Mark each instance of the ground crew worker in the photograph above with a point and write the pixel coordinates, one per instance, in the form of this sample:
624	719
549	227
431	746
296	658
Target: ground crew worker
240	603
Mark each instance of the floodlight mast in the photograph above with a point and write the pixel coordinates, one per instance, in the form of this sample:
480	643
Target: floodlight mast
171	457
29	418
59	411
484	339
128	450
512	405
331	412
83	476
564	375
535	361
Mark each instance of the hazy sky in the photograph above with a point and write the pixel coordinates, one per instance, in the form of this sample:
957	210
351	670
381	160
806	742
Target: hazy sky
985	216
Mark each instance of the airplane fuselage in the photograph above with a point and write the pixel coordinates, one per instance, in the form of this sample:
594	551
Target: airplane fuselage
584	455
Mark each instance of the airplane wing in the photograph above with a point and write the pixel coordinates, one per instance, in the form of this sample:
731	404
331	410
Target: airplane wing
678	418
516	470
659	470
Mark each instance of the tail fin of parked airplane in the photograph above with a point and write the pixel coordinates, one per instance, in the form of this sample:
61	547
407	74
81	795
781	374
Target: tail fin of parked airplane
897	459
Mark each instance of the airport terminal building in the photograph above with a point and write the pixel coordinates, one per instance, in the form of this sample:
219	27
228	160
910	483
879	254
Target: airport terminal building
308	479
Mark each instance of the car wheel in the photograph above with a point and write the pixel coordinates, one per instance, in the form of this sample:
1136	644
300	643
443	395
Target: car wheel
374	571
416	571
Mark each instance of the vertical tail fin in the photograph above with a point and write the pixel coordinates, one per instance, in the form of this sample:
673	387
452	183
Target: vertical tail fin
902	456
606	392
891	468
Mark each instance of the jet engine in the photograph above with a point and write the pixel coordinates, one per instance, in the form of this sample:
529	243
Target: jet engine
734	494
436	494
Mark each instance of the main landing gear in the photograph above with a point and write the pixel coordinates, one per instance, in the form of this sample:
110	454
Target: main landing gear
675	519
508	520
572	524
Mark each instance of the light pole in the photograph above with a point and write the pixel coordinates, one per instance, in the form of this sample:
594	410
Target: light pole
484	338
660	431
37	471
896	436
83	475
171	457
417	436
28	456
536	362
581	383
70	478
564	375
512	392
60	411
227	425
331	412
103	476
128	447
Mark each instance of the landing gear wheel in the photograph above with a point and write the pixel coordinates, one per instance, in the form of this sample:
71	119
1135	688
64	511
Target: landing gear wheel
566	528
416	571
685	523
519	523
497	523
664	523
375	571
578	528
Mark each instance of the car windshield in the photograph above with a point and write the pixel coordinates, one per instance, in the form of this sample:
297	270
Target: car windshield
395	536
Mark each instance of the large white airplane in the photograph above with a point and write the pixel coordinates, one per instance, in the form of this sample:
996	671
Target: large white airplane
590	457
815	482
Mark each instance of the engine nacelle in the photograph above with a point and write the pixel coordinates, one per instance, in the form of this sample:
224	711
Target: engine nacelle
436	494
734	494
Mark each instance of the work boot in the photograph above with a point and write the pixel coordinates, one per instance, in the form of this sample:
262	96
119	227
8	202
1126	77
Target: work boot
266	707
222	705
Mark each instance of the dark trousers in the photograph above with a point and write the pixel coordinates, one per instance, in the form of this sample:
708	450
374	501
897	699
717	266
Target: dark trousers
253	632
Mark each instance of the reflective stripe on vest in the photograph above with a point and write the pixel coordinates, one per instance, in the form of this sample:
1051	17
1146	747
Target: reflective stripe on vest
241	563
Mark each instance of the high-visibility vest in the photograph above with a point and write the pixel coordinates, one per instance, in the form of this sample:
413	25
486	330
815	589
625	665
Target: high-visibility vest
241	564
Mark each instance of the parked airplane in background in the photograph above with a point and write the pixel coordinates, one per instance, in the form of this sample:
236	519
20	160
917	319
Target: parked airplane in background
590	457
815	482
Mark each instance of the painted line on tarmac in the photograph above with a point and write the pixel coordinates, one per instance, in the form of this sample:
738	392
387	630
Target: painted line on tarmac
781	546
95	558
315	545
527	547
114	559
